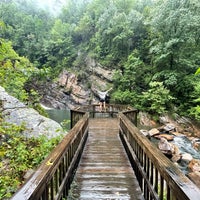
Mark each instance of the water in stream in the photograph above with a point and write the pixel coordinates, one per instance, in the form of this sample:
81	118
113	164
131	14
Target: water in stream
185	146
60	116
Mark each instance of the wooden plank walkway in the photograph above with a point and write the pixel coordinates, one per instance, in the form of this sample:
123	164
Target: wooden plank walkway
104	171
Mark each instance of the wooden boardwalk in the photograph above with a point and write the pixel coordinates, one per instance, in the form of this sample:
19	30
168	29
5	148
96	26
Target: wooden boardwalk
104	171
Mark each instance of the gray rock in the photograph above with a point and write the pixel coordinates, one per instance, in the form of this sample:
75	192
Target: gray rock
144	132
15	112
169	127
164	146
145	119
164	119
187	157
154	131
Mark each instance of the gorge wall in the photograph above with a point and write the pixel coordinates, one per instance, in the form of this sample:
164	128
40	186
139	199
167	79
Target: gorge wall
70	89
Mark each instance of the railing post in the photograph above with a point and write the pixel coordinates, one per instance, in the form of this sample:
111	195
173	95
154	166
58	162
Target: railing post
93	111
159	178
71	119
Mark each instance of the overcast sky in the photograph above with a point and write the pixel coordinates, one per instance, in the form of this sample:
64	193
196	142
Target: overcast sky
52	5
50	2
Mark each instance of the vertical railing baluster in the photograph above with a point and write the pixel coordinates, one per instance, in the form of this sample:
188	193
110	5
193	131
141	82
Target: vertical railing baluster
51	189
161	195
156	180
151	177
168	193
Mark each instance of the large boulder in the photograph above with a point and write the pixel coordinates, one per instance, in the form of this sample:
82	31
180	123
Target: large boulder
195	143
186	157
169	127
165	146
194	165
153	132
168	137
16	112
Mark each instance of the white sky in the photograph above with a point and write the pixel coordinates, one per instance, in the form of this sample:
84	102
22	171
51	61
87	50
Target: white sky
49	2
52	5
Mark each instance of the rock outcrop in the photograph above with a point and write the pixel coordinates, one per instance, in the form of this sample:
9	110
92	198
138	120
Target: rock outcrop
74	88
68	91
71	87
98	70
16	112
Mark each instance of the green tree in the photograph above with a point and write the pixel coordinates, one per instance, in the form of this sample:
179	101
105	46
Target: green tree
157	99
58	50
14	71
26	27
130	82
173	47
194	109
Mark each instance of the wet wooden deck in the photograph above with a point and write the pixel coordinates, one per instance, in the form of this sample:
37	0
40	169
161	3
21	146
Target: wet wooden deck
104	171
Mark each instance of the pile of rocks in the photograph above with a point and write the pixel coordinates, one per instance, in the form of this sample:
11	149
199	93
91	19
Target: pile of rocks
165	136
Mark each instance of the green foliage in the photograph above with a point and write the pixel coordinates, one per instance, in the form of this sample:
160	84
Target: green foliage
152	45
131	77
195	108
157	99
17	73
18	154
144	41
131	81
14	71
26	27
198	71
195	111
125	97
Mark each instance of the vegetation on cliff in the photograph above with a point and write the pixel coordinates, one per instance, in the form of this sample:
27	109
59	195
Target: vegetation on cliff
148	43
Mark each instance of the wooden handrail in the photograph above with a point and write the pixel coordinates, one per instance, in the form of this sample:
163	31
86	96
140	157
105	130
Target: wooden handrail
131	115
75	116
158	177
114	107
111	110
53	177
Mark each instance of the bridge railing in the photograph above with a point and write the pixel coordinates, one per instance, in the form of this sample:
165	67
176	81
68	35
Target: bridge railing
53	177
111	110
158	177
131	115
75	116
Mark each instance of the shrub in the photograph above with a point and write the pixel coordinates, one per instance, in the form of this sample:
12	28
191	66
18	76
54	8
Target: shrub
18	154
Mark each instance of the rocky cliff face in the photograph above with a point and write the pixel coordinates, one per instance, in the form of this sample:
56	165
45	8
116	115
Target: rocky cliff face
15	112
71	90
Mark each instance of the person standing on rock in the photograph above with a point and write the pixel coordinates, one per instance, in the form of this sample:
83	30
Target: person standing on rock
102	98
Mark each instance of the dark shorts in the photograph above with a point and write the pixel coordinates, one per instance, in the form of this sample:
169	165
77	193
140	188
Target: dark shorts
102	100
